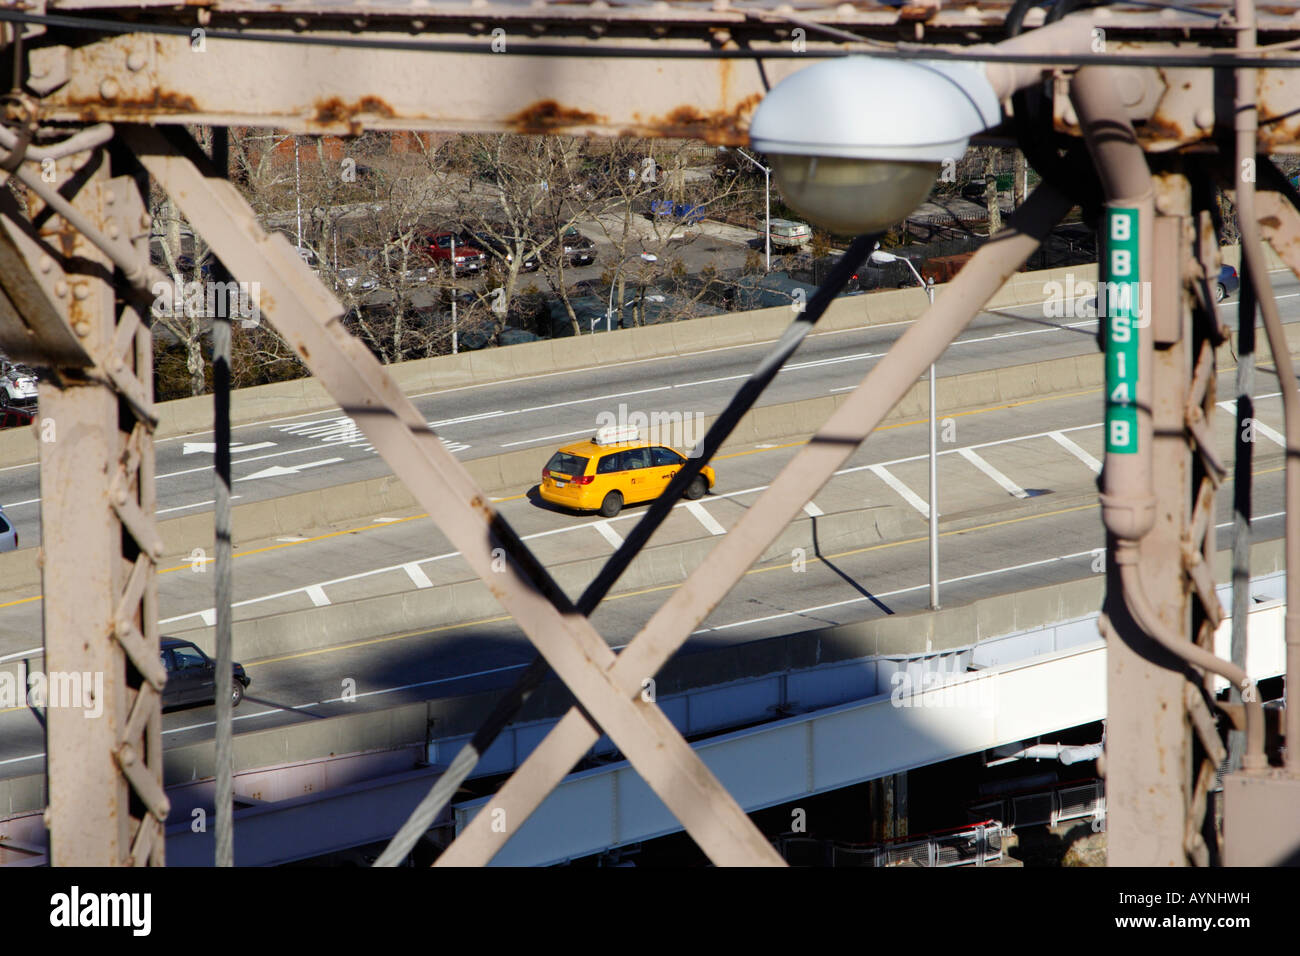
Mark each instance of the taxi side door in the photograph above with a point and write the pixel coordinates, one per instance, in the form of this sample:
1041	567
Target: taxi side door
640	475
666	464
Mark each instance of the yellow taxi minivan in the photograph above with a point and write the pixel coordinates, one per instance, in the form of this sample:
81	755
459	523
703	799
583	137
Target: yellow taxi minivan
615	468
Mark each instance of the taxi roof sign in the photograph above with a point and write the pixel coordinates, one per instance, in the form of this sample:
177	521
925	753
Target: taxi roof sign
616	434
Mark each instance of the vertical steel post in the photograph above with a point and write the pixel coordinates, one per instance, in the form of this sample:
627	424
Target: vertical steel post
454	343
99	547
1241	493
1163	734
767	215
1148	744
934	482
224	745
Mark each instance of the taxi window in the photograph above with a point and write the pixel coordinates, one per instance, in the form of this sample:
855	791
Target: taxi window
610	464
567	464
636	458
666	456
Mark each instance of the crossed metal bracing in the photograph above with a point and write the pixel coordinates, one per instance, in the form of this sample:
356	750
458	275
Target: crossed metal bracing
72	273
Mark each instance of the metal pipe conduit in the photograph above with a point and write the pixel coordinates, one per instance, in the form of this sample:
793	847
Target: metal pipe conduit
1128	502
1246	127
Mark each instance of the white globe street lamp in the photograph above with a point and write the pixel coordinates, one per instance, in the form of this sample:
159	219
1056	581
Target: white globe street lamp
855	143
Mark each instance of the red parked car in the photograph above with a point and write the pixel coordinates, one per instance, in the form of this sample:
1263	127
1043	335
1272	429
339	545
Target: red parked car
469	258
13	417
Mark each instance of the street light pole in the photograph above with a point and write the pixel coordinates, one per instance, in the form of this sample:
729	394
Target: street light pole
934	483
609	313
767	204
885	257
454	344
297	189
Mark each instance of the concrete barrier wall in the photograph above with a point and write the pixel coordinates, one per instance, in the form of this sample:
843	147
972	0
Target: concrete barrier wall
409	724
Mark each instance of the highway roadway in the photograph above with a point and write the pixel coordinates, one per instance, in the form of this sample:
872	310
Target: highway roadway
1018	510
288	455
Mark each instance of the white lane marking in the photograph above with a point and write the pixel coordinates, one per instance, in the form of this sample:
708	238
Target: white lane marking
607	532
812	510
703	517
317	595
915	587
387	520
417	575
280	471
197	504
209	617
242	461
908	494
210	448
612	365
876	468
533	441
293	540
1272	434
468	418
1007	484
818	363
1077	451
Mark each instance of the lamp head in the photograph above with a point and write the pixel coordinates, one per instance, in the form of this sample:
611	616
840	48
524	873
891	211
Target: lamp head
855	143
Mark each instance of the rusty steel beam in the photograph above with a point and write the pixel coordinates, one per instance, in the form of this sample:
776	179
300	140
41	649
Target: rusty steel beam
310	319
798	482
496	84
99	537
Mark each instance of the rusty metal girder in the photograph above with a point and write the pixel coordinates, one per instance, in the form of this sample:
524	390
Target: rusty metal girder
100	545
195	75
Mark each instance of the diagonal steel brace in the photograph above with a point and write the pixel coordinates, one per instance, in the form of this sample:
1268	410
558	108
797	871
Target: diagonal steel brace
309	318
797	483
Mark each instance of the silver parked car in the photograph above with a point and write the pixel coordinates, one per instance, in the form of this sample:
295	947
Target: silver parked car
17	385
357	280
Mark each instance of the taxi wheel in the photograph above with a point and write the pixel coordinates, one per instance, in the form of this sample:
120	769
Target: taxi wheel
612	504
697	488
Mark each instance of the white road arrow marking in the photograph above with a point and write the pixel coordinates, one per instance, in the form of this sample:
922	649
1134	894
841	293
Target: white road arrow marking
279	471
210	448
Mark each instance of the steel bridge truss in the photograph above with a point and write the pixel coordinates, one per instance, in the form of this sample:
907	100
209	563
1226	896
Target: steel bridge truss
75	277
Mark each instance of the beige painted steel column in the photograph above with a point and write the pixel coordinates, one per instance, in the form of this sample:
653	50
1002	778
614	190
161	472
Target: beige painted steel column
1148	743
99	544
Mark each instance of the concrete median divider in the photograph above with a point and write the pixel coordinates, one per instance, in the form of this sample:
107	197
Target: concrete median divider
417	723
515	472
470	600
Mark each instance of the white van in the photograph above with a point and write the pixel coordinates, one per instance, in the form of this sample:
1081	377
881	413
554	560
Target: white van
787	232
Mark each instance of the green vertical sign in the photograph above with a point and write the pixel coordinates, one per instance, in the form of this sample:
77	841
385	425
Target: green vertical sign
1118	302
